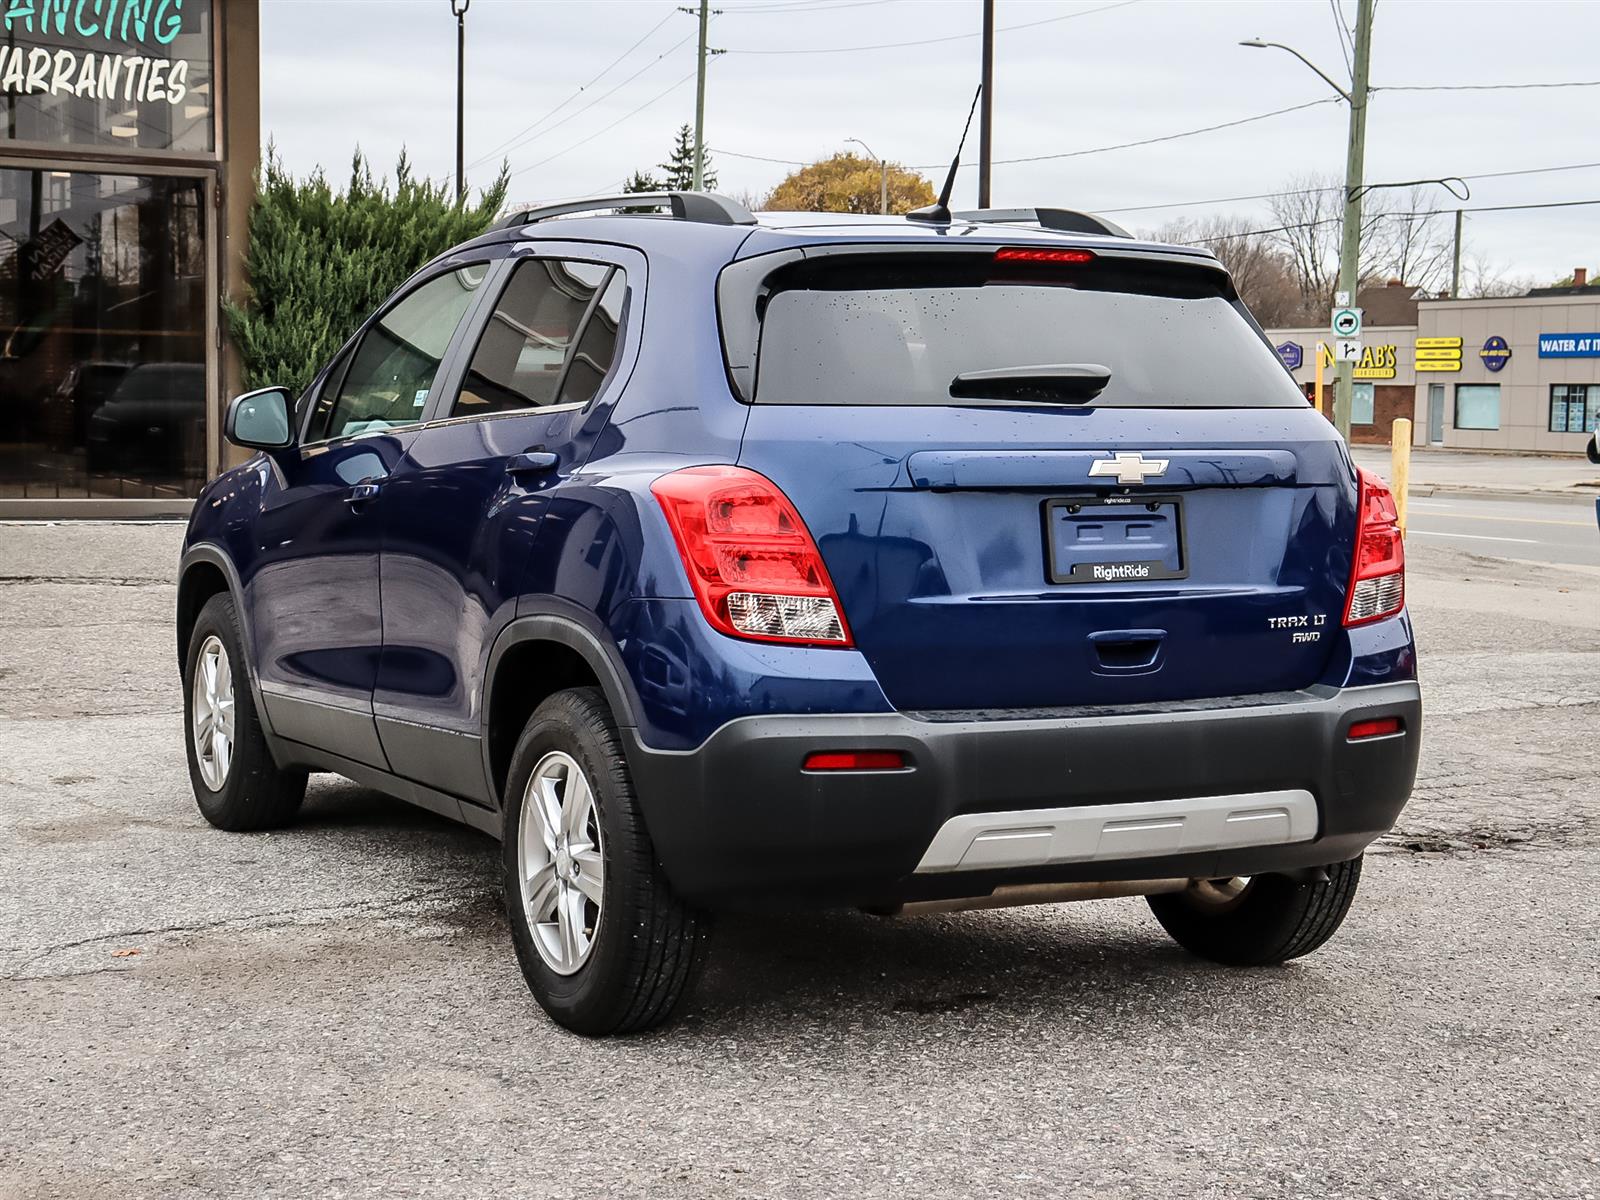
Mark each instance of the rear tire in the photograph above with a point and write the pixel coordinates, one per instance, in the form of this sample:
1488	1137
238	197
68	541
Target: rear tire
236	783
605	944
1270	919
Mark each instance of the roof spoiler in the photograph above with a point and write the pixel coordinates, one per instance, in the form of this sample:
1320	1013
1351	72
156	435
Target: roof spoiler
1057	220
705	208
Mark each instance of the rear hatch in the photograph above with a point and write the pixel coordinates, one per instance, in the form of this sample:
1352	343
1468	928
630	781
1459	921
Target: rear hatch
1183	532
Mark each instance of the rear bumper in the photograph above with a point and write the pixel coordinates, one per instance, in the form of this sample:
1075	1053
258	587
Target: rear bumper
988	799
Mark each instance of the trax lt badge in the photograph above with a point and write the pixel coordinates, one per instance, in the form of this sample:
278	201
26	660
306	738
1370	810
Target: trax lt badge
1129	468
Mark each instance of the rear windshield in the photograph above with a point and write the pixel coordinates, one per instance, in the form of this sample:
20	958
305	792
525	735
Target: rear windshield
1172	337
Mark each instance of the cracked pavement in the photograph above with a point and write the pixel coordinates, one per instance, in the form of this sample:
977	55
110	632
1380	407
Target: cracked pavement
334	1009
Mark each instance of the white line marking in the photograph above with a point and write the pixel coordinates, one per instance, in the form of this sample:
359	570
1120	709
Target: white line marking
1471	537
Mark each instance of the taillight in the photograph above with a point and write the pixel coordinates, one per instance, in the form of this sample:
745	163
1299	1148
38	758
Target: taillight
1378	575
751	561
1042	254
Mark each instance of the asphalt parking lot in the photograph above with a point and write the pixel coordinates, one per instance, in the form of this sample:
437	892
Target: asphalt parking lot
334	1010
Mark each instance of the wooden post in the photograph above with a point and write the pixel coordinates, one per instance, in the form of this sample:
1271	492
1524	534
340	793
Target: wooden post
1400	465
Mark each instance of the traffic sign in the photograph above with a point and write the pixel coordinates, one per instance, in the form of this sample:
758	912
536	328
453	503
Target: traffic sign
1347	350
1341	299
1346	322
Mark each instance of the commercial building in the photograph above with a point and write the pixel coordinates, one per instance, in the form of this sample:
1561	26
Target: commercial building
1519	373
132	134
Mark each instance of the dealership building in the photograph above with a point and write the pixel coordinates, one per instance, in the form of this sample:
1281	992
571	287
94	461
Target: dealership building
1518	373
132	137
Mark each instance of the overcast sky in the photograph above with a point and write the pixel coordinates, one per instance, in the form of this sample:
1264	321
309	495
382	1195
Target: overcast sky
801	76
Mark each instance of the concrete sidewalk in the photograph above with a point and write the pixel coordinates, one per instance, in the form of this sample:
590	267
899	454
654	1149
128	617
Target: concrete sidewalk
1455	471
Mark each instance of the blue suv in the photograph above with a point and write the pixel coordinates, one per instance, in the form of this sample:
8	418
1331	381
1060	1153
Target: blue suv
912	564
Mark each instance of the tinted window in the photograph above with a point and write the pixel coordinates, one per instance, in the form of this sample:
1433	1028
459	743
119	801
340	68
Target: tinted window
901	334
392	368
597	348
519	359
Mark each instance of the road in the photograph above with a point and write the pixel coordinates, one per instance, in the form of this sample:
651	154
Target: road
1555	530
334	1009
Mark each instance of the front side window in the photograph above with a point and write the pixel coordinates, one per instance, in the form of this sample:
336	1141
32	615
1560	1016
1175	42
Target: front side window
536	349
1574	407
390	373
1477	406
1361	404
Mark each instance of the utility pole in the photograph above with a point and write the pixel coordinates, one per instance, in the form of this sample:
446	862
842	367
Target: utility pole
986	118
1350	244
458	9
883	176
1455	268
700	102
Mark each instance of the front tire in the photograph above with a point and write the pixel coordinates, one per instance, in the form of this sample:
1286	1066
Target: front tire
236	783
1259	921
604	943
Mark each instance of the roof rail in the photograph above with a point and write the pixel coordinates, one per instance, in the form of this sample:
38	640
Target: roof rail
706	208
1059	220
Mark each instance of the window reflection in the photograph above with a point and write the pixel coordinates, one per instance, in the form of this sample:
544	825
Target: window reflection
102	335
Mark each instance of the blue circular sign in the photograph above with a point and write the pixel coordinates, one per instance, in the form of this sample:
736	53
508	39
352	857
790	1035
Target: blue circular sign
1495	353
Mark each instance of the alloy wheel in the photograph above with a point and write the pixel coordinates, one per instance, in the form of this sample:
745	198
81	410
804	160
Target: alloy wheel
212	713
560	863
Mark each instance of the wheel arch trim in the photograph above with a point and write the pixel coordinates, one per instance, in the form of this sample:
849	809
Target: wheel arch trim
210	554
552	619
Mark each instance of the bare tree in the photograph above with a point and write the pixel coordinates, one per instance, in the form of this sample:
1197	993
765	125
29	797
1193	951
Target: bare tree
1260	272
1481	278
1309	213
1408	240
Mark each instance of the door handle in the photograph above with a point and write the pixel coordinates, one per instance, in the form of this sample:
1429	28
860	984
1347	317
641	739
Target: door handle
361	492
531	462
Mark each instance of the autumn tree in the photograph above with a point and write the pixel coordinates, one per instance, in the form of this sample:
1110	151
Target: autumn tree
848	183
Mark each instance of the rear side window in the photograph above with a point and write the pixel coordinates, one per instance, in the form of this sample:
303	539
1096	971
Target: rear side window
897	333
550	339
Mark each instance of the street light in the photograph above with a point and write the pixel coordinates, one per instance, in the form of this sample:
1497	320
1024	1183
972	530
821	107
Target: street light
458	10
1355	150
883	175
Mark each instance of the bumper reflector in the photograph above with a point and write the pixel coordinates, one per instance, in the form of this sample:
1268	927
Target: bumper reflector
1378	727
855	760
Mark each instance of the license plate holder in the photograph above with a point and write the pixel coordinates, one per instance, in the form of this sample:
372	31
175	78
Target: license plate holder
1108	540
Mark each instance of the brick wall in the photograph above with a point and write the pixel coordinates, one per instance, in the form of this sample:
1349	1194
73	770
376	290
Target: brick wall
1389	402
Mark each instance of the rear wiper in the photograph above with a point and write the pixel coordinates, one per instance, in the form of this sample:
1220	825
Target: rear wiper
1058	383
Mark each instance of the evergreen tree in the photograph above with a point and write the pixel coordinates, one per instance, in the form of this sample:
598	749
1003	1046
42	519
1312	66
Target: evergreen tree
679	168
320	261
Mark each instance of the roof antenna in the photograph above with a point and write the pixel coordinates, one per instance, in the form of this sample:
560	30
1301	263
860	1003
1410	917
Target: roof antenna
939	211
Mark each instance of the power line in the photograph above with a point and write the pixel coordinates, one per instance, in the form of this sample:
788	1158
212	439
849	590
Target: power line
954	37
607	129
1316	190
1434	212
505	145
1167	137
1483	87
533	137
782	7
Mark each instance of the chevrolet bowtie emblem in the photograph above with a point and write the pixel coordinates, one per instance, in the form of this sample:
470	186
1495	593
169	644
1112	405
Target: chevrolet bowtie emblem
1128	468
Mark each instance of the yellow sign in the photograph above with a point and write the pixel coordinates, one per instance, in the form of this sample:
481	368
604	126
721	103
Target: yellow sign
1424	354
1449	364
1377	362
1438	343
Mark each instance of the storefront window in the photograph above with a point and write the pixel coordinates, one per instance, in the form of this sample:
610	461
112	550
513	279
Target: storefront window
102	335
123	74
1361	404
1574	407
1477	406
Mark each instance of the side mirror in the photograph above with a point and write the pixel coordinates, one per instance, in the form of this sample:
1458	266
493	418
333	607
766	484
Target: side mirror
1594	447
260	420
